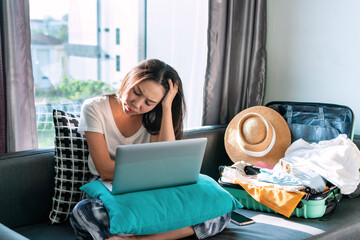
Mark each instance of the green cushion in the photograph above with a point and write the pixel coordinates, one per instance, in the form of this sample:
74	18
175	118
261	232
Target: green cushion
165	209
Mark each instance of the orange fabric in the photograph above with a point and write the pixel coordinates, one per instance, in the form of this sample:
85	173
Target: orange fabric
277	199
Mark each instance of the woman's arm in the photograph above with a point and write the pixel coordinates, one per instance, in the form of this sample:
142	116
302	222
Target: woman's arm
100	155
166	132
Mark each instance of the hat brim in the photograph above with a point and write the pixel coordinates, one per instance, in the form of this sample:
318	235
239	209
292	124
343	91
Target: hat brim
283	137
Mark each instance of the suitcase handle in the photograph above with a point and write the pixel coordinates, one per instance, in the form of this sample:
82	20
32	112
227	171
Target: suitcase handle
289	114
331	206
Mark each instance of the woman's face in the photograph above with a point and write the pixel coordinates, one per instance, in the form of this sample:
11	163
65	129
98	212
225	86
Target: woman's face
142	98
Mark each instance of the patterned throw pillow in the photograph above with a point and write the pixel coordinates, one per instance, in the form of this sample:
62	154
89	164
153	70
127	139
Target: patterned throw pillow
71	169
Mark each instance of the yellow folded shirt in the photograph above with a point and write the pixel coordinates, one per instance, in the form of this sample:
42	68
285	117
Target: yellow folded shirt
276	199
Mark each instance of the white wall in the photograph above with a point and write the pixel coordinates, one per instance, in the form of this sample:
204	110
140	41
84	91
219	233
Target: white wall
313	51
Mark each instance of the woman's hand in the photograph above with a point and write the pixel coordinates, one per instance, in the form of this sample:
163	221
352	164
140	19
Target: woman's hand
169	97
166	132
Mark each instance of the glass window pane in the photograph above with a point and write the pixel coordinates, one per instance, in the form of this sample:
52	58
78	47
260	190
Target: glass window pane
74	52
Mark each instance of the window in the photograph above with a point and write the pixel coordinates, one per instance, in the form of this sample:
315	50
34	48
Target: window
118	63
74	52
117	36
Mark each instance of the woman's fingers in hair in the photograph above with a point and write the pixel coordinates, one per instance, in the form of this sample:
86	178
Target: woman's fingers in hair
170	95
173	88
172	85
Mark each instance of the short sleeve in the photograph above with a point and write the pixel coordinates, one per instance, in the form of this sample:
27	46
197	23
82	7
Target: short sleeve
90	119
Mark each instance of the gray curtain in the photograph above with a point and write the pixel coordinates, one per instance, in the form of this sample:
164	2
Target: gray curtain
2	104
20	105
235	72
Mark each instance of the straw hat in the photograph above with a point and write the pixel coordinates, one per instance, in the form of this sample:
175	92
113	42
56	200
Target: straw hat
257	134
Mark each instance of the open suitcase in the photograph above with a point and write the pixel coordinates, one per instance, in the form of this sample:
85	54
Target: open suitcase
312	122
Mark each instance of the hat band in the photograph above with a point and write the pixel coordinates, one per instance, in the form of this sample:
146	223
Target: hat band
258	154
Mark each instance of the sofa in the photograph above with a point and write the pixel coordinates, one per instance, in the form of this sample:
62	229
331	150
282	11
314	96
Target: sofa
27	187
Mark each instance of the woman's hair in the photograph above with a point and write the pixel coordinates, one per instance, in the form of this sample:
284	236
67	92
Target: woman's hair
160	72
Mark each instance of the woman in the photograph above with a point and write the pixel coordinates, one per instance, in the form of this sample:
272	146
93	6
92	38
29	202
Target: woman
148	108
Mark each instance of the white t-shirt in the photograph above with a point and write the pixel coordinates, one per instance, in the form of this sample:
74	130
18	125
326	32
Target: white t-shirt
96	116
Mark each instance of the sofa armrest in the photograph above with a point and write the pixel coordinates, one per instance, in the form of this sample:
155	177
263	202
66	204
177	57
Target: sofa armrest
215	153
8	234
26	186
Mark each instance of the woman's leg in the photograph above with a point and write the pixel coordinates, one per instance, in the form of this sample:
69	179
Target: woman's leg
212	226
171	235
202	230
90	220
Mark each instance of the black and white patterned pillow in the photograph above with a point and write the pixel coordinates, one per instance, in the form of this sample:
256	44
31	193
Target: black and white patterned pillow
71	168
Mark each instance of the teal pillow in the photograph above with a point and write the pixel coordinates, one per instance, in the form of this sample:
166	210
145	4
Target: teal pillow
165	209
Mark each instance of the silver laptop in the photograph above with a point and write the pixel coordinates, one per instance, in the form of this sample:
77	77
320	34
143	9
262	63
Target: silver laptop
146	166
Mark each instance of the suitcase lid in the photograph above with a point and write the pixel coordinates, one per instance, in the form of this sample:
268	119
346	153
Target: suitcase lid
313	121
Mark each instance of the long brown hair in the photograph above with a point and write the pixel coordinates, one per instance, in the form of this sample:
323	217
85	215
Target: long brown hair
160	72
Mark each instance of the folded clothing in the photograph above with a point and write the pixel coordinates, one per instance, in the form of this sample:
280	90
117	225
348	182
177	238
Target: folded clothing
280	198
277	199
291	172
237	173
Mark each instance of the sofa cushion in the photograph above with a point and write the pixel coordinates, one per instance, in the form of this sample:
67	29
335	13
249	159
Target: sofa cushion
44	231
71	168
